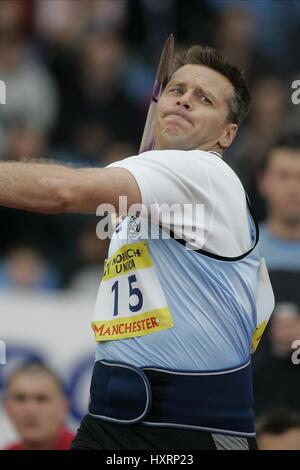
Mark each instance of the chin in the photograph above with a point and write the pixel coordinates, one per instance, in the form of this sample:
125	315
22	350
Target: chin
171	142
33	435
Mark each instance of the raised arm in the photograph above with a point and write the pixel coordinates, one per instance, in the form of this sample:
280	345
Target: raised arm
50	188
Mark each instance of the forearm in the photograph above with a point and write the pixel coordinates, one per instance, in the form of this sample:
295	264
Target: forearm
52	188
36	187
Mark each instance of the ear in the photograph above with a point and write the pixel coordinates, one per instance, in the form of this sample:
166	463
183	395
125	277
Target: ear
228	135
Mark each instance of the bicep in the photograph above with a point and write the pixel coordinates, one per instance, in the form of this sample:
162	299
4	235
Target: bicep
93	187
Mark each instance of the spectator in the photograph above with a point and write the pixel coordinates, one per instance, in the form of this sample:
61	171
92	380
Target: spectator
26	144
63	21
92	253
279	430
116	151
279	184
26	267
267	114
30	91
235	38
276	378
95	100
34	401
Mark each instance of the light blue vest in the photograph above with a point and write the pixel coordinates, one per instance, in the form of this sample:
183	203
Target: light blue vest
212	300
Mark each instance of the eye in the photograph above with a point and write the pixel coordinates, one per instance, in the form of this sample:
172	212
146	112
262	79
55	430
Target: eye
42	398
205	99
19	397
176	90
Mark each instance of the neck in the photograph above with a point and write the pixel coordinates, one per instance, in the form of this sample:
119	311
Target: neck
48	444
207	148
284	229
217	148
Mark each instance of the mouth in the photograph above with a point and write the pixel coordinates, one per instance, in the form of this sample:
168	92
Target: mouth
31	426
180	116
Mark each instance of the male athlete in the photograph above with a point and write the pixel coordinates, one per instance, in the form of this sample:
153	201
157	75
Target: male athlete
181	295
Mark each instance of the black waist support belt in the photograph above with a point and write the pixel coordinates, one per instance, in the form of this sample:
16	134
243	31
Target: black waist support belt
219	401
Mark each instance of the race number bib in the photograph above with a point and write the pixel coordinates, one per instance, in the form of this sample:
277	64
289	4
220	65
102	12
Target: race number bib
130	301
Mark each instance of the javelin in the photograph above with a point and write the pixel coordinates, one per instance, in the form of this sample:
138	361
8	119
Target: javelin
162	75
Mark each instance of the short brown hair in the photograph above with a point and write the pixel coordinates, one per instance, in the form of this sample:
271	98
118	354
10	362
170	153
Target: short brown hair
278	421
240	101
289	139
36	368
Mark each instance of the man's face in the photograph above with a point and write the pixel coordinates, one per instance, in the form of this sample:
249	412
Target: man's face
280	184
288	440
192	112
36	407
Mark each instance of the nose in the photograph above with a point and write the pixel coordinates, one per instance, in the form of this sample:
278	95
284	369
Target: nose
184	100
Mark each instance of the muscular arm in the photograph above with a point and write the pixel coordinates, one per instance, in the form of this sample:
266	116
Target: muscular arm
50	188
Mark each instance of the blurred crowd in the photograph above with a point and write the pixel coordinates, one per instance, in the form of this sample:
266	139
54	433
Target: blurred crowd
79	76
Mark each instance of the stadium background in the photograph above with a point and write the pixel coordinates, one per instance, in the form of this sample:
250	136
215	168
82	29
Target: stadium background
78	76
